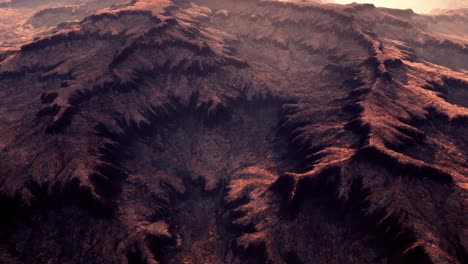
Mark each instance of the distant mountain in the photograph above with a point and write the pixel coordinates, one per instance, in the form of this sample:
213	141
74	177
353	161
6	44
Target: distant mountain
22	21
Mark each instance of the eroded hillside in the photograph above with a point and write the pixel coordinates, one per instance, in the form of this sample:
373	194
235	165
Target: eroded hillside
236	132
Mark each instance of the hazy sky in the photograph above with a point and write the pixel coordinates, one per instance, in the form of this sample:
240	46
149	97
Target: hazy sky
421	6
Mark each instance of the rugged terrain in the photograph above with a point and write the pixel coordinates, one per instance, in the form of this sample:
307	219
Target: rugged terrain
222	131
21	21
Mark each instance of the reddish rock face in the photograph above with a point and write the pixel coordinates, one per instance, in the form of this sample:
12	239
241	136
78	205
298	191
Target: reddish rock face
234	132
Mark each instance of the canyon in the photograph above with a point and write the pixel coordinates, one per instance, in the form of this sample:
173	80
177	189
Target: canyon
203	131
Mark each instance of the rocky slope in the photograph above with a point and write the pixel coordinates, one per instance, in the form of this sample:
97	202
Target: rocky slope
237	132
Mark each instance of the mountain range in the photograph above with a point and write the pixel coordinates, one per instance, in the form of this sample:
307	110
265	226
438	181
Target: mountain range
222	131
